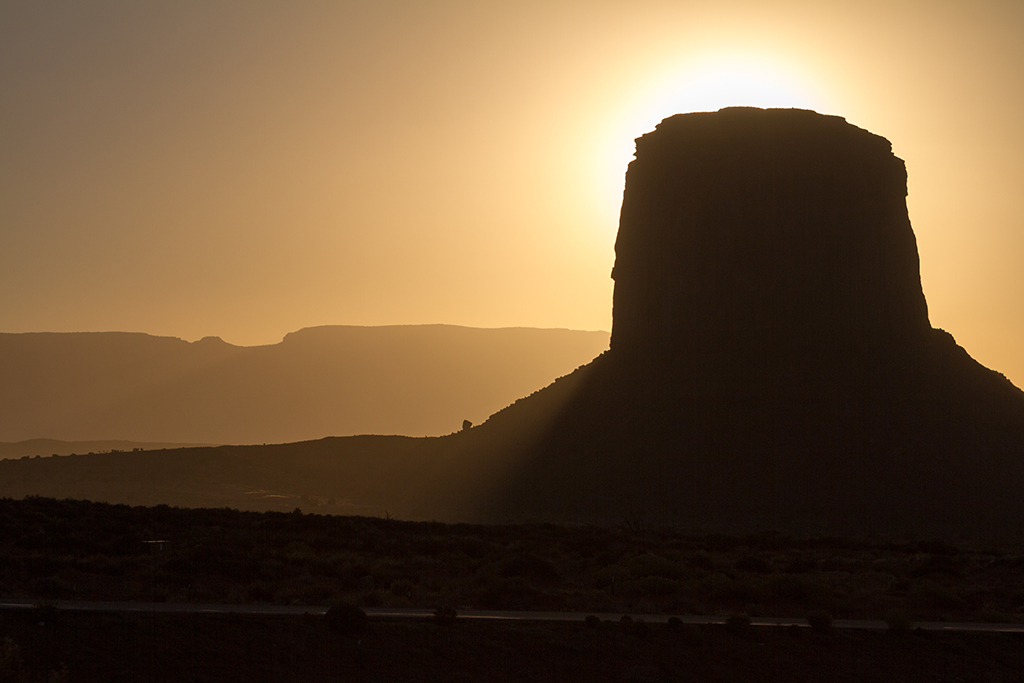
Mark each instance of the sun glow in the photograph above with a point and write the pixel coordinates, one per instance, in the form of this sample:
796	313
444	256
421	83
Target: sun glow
706	83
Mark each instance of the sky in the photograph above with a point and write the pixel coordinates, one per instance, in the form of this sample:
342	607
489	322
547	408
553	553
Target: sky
244	169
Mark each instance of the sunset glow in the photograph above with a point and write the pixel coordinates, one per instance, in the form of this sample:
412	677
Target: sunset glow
247	171
706	82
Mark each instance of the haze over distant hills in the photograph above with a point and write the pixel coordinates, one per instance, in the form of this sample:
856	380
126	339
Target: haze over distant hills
50	447
413	380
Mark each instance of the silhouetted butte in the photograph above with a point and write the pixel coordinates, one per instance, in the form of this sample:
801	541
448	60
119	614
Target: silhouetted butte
772	364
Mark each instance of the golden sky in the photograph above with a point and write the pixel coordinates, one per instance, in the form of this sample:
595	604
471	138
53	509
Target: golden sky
245	169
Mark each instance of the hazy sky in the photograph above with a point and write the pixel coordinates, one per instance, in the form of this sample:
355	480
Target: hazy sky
245	169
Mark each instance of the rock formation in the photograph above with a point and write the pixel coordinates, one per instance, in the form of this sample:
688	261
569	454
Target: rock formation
752	238
772	364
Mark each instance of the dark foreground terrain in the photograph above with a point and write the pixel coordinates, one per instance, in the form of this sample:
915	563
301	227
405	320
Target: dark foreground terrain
53	550
47	645
75	550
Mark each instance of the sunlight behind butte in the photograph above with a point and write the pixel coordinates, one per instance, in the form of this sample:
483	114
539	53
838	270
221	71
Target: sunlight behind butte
707	82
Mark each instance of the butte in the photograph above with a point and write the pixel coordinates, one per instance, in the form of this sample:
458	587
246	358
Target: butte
772	364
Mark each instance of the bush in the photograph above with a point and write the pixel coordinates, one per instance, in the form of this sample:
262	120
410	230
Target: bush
345	618
658	585
402	588
820	621
445	615
809	591
507	594
934	597
674	623
528	566
374	598
651	565
738	624
737	591
592	621
51	588
612	577
260	591
641	629
898	622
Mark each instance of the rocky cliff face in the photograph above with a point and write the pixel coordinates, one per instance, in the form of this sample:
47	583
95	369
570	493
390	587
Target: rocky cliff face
772	364
753	239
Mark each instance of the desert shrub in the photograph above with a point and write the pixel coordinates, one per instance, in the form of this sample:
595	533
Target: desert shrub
51	587
611	576
658	585
938	564
994	617
528	566
820	621
260	591
899	622
934	596
428	547
373	598
650	564
935	546
626	623
45	613
346	618
641	629
592	621
505	594
747	591
701	560
473	547
317	592
445	615
349	576
401	587
806	590
674	623
737	624
222	559
719	543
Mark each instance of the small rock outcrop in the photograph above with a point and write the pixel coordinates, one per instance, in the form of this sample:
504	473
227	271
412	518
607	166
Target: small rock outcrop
772	364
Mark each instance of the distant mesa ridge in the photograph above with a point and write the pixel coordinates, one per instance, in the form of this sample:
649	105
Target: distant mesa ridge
331	380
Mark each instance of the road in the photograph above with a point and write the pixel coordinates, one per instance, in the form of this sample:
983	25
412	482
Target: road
415	613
